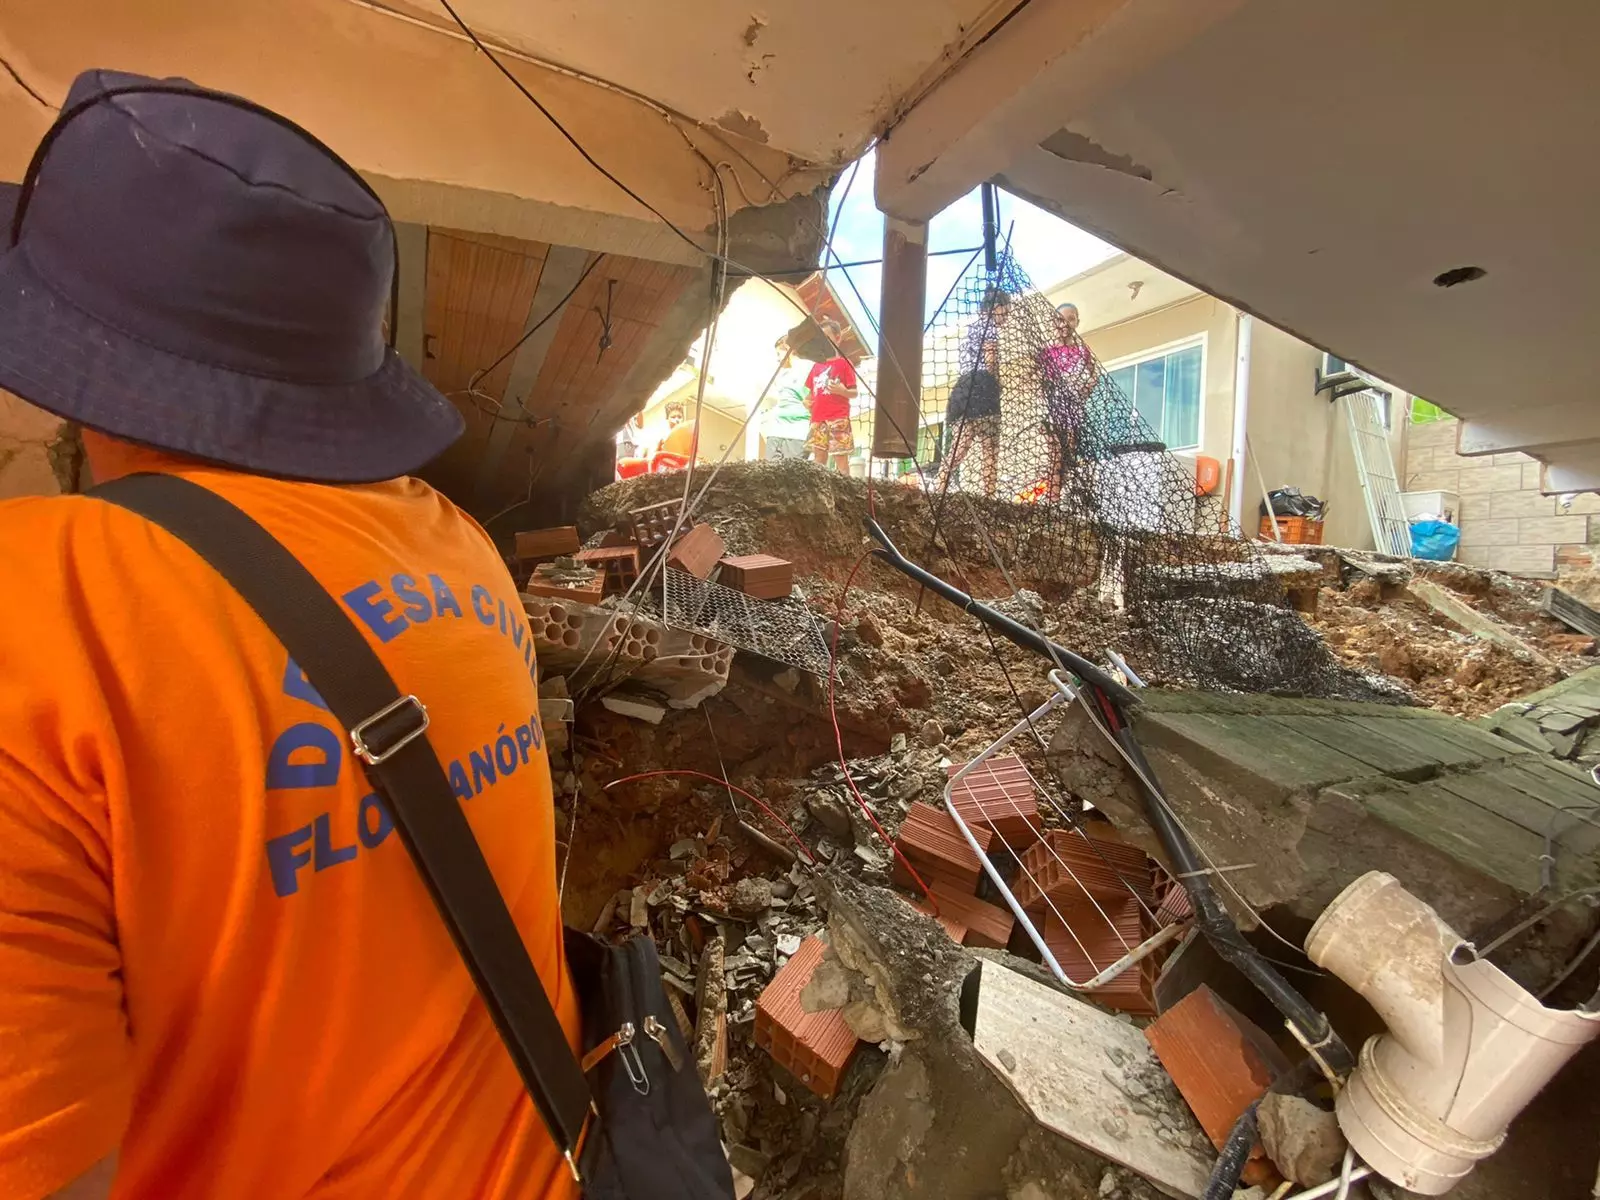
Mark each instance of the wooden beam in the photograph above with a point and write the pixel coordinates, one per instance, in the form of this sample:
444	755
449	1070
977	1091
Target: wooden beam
900	311
411	244
562	269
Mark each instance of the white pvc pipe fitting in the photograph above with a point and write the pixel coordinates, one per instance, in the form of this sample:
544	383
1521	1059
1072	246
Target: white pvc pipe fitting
1467	1048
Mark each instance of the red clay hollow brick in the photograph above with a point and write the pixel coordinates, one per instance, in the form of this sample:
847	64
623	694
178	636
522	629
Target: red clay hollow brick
814	1047
620	564
758	575
1069	866
933	845
1086	940
697	552
982	923
1219	1060
999	795
548	543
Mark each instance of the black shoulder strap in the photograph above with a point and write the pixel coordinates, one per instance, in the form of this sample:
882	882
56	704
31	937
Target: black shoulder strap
387	733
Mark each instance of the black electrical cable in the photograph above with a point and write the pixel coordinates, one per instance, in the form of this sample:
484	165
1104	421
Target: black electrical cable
1242	1137
1210	916
560	305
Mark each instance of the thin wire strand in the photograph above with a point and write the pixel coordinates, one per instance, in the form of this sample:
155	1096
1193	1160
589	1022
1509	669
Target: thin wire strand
1217	872
560	306
756	800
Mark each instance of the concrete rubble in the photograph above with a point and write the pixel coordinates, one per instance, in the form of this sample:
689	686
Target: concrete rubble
916	1110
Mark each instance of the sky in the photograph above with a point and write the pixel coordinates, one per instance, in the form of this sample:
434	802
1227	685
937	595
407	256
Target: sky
1047	248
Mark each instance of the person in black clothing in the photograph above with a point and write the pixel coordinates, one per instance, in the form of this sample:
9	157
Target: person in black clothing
972	417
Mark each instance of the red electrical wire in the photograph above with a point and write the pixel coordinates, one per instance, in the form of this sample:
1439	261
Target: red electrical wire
838	735
811	858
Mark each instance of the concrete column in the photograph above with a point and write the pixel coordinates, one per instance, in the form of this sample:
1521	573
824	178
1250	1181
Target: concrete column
900	312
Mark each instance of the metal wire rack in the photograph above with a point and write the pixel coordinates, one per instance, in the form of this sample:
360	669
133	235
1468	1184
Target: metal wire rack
1134	952
783	630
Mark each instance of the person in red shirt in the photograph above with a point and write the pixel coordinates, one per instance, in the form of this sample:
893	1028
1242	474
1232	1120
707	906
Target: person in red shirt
830	386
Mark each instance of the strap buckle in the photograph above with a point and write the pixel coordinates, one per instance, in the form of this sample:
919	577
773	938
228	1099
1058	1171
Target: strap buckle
394	735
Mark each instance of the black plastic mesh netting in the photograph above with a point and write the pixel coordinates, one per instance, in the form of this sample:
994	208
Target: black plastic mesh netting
1076	486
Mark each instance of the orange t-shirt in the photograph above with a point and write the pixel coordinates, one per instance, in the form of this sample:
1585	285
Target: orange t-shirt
679	439
215	954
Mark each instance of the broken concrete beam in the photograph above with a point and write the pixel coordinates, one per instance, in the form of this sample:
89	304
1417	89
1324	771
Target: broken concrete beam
1459	612
954	929
934	846
758	575
1221	1062
816	1048
1069	866
697	552
552	542
620	565
999	795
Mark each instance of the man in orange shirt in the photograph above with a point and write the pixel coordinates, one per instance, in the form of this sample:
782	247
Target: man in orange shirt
220	974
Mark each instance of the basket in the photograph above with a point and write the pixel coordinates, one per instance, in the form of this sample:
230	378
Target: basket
1301	531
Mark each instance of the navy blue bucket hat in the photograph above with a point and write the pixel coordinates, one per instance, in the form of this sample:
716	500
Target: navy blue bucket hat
187	270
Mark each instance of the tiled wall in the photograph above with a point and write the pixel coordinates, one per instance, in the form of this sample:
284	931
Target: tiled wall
1505	522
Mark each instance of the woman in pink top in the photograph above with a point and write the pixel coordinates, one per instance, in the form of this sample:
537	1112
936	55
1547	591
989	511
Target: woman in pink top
1069	372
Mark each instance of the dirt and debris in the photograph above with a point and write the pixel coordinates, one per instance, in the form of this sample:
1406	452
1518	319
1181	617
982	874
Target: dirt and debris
919	685
1379	627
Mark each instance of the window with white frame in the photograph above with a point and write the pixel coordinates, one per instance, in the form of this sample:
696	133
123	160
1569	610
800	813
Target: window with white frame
1165	386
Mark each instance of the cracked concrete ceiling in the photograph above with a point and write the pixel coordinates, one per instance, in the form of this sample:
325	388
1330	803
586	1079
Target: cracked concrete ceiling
811	79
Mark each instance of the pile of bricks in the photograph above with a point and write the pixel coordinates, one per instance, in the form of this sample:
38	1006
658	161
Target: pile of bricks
686	668
1093	898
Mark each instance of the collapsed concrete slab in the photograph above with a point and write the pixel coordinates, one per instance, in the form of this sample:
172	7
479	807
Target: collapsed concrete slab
1296	798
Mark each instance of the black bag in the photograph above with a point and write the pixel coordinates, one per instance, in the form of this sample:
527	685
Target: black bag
976	394
653	1133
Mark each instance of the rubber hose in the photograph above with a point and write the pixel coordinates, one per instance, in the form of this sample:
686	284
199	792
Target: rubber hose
1242	1137
1235	1153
